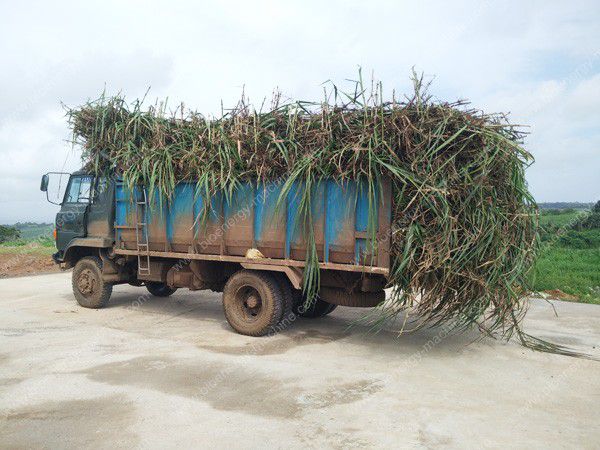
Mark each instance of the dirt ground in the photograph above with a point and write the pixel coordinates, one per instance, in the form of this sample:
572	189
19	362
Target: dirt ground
149	372
19	264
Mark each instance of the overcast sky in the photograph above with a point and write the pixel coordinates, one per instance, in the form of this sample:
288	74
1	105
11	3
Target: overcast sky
540	61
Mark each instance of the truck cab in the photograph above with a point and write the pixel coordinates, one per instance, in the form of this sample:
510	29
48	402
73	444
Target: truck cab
86	215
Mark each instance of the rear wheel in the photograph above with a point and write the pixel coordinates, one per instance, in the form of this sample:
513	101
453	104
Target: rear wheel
285	286
88	287
159	289
253	302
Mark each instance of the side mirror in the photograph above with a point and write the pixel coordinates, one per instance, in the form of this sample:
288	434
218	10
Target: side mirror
57	185
44	183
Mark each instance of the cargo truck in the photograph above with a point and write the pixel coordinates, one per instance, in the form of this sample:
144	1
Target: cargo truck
246	244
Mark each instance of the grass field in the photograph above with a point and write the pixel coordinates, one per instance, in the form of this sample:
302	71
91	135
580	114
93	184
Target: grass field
553	219
569	260
32	248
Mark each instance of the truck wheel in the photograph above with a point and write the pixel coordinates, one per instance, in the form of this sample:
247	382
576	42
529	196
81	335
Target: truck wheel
288	298
88	287
252	302
318	308
160	289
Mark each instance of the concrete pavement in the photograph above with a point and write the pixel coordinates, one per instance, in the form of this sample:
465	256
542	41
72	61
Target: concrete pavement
154	373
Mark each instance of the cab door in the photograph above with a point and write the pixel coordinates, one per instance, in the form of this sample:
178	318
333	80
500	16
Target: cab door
71	220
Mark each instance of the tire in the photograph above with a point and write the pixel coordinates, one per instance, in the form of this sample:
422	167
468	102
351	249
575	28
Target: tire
285	286
318	308
252	302
160	289
88	287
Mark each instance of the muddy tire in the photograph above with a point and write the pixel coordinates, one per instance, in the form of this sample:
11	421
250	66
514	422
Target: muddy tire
88	287
318	308
285	286
160	289
253	302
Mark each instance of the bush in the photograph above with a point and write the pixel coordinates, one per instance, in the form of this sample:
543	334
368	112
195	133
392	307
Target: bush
589	221
580	239
9	234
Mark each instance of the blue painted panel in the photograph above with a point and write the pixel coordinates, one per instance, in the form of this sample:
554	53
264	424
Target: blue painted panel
362	209
294	204
341	201
241	198
265	207
181	205
122	199
344	204
293	200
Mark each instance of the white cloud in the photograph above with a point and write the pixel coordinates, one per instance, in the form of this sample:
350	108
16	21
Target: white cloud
537	59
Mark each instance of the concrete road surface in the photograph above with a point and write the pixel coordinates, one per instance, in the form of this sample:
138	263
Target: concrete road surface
149	372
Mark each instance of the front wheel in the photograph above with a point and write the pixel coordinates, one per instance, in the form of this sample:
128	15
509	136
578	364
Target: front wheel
160	289
88	287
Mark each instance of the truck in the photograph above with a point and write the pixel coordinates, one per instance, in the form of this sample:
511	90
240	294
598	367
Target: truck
247	244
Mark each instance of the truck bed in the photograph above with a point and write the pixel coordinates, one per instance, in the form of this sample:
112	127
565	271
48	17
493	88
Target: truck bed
251	219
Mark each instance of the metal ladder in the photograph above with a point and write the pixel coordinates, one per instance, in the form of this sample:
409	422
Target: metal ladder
141	235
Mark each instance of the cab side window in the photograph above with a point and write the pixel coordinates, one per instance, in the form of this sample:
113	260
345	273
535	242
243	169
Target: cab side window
79	190
100	189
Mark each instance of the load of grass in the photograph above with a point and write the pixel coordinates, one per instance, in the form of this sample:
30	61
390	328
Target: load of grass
464	223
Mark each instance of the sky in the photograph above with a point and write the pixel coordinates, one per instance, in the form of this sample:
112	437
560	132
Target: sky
537	60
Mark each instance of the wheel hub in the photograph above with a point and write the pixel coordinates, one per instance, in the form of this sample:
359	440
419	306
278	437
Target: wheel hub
249	302
86	282
252	301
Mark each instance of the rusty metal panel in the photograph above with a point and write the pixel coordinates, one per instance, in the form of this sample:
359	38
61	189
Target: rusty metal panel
156	220
296	228
238	222
269	220
254	217
180	218
340	224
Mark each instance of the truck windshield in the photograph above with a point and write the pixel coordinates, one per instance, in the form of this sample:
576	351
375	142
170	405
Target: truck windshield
79	189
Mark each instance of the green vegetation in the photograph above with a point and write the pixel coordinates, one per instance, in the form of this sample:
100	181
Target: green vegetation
565	205
31	248
33	230
570	256
8	234
551	220
28	237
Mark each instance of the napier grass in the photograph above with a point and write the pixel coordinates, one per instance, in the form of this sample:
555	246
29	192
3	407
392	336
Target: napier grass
464	223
